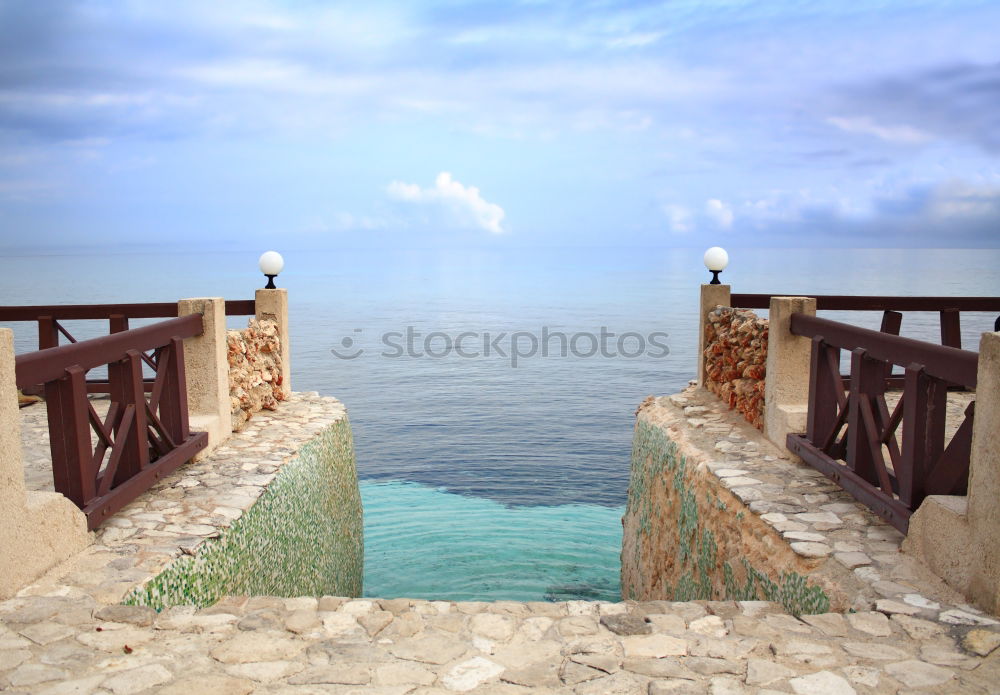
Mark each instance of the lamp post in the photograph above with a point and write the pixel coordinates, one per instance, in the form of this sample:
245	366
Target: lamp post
271	263
716	260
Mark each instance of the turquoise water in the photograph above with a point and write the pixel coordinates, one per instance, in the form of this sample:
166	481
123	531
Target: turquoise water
423	542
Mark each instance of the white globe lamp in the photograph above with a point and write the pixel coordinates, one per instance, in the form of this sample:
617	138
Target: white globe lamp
271	263
716	260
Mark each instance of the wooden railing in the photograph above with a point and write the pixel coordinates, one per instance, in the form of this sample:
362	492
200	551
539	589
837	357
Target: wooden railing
850	434
141	439
50	329
949	309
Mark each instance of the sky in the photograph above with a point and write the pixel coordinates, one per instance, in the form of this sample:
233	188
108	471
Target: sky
518	124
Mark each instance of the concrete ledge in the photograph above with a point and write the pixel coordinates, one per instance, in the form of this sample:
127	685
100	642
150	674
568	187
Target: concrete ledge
934	538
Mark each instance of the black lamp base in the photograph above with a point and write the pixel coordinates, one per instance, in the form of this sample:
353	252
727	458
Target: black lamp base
715	277
270	282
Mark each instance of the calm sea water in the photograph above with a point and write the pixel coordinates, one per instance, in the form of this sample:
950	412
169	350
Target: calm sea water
481	479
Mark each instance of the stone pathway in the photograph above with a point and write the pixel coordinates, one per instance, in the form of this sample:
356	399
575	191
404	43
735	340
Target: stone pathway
66	634
55	645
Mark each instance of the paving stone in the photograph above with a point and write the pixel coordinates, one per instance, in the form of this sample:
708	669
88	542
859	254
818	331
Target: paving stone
401	673
832	624
656	646
871	622
918	628
807	549
141	616
539	675
429	650
621	683
256	646
890	607
980	641
627	624
917	674
470	674
676	686
960	617
137	679
496	627
822	683
765	672
265	671
710	625
208	683
875	651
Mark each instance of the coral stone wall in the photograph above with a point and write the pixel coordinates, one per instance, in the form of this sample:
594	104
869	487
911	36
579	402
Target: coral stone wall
735	360
254	370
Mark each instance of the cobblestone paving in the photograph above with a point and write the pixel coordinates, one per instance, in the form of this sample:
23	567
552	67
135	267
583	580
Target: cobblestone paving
66	634
70	644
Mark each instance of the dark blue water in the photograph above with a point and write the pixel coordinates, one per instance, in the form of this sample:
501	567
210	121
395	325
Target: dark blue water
524	462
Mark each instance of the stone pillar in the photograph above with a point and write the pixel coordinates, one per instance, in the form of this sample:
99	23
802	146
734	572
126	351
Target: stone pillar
37	529
206	367
956	536
786	389
272	305
711	297
984	478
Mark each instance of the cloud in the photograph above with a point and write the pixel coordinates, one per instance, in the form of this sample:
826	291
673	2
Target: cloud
901	134
679	218
719	212
464	203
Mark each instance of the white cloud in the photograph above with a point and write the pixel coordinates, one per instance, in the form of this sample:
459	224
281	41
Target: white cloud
719	212
463	202
902	134
679	218
958	199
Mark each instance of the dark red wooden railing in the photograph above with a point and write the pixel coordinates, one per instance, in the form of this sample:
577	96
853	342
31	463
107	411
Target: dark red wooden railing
141	439
949	309
117	315
849	433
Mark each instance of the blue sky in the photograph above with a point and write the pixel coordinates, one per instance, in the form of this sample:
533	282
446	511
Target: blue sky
519	124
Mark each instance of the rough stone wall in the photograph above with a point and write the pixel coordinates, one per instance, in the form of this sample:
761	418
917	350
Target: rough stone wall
685	537
254	370
735	360
302	537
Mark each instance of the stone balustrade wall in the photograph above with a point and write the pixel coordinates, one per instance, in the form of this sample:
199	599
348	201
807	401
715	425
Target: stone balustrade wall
735	360
255	378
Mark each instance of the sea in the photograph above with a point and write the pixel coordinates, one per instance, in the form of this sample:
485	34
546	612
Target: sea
492	391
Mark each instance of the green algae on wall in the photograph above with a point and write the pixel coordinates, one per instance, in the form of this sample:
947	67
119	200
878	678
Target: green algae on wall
302	537
695	571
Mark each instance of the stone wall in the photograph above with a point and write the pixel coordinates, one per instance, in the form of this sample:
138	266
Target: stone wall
255	380
302	537
736	359
686	537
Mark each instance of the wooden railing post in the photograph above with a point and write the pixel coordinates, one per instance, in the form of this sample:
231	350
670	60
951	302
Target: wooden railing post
48	334
825	391
867	384
125	378
173	404
951	328
69	436
925	402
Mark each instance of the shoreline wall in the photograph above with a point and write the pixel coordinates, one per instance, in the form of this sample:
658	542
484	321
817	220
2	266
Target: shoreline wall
302	537
687	537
